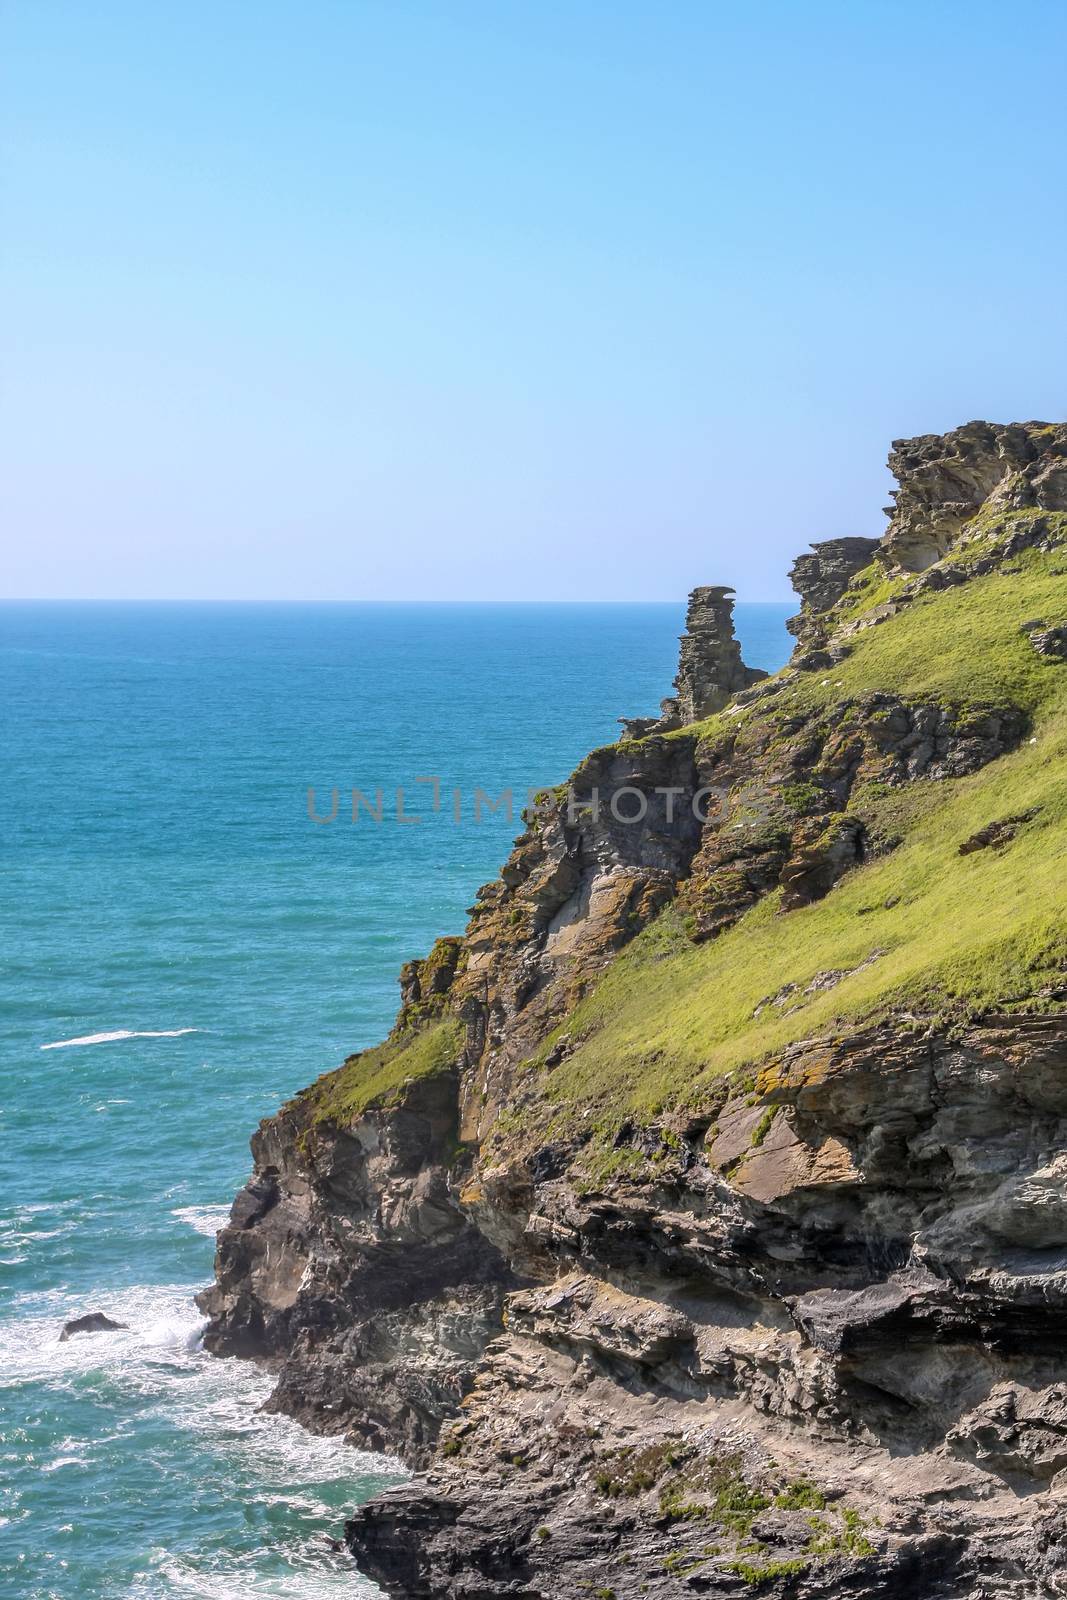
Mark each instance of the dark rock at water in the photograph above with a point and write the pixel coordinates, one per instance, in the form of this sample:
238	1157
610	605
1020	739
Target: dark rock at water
92	1322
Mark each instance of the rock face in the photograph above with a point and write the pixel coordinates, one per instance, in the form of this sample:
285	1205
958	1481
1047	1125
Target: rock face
1050	642
944	480
795	1327
778	1362
821	578
348	1264
710	669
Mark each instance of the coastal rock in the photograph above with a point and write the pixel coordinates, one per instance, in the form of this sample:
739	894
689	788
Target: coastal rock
820	856
710	669
944	480
92	1322
706	1375
350	1267
821	578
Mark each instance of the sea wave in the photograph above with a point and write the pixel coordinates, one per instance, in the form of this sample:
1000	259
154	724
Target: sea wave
319	1575
26	1225
120	1033
158	1356
157	1320
203	1219
184	1405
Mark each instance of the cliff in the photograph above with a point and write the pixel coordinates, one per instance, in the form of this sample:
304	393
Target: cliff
701	1228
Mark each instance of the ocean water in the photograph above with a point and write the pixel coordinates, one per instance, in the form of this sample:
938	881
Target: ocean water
181	947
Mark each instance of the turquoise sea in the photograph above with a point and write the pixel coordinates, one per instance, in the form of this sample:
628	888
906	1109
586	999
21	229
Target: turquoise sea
181	947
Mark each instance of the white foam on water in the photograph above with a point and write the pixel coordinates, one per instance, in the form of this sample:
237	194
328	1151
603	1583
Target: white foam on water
158	1320
330	1577
121	1033
203	1219
64	1461
157	1362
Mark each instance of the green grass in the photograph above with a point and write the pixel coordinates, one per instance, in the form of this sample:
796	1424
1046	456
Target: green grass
869	588
964	646
375	1077
958	936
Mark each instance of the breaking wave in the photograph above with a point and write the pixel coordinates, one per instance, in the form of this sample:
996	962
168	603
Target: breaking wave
120	1033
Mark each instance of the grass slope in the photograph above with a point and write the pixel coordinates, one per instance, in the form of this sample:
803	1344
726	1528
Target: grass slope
923	930
375	1077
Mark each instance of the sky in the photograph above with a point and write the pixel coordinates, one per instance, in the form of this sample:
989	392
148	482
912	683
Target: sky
506	299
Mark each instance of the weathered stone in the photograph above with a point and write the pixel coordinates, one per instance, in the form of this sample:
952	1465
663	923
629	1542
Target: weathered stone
995	835
945	479
821	578
1050	642
92	1322
349	1261
821	855
800	1332
710	669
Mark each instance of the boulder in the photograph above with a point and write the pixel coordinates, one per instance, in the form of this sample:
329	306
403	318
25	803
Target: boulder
92	1322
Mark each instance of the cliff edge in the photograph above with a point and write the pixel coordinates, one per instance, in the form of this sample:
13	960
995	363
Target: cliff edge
701	1227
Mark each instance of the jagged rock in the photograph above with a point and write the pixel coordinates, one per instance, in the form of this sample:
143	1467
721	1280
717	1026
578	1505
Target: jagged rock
349	1261
995	835
813	660
710	668
1050	642
821	578
641	727
92	1322
822	854
945	479
425	984
1017	1432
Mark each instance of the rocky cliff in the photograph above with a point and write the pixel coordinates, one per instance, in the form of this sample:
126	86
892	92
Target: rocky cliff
701	1228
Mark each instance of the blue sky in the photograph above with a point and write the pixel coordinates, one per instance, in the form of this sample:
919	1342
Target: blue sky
397	299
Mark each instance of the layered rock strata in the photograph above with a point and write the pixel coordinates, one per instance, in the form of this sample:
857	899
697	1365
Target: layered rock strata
821	578
944	480
710	668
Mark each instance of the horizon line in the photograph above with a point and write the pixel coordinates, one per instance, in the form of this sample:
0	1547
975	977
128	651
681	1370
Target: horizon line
228	600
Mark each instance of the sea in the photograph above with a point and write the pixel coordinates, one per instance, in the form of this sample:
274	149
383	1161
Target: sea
191	929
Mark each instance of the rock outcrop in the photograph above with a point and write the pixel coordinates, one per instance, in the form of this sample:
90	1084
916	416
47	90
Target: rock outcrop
710	668
702	1226
349	1265
945	480
92	1322
821	578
